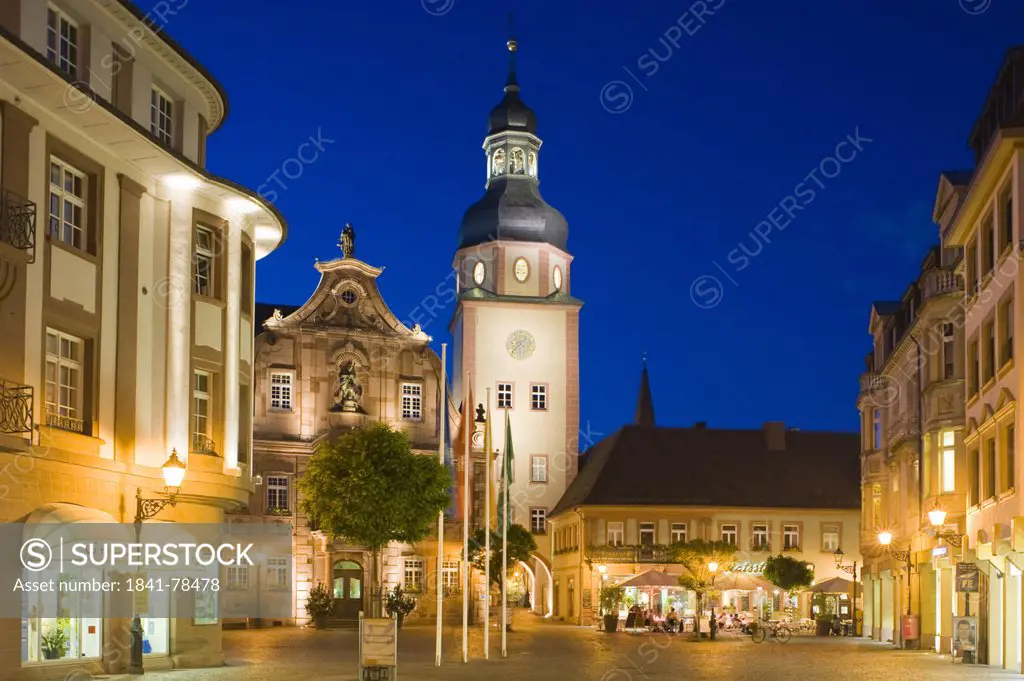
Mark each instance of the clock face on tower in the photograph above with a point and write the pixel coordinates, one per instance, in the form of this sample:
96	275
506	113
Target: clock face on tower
478	273
521	270
520	344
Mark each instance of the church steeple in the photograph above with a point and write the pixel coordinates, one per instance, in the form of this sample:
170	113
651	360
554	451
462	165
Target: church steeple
644	403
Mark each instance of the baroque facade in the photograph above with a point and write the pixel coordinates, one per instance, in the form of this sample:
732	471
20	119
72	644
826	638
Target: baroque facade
126	290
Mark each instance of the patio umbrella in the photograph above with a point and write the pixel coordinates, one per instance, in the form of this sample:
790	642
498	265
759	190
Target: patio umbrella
836	585
651	578
741	581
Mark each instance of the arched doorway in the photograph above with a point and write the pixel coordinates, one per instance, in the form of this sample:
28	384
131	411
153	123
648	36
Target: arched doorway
348	589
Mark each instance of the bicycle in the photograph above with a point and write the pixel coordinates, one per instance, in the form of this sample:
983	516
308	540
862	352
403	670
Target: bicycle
766	629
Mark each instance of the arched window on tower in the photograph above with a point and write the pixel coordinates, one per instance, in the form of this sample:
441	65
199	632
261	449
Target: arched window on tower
498	162
517	161
531	164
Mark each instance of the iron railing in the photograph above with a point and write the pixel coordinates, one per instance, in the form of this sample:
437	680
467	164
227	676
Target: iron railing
203	445
16	407
72	424
630	554
18	222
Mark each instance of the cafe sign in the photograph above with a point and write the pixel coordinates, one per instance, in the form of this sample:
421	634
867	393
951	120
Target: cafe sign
748	567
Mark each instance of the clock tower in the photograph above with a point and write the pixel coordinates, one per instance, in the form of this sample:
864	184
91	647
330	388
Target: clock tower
516	324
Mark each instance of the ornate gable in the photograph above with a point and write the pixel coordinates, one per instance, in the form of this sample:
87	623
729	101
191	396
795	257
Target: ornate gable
347	299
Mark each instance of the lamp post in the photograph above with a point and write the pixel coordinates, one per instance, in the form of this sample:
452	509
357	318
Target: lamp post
174	474
885	539
852	571
713	569
601	569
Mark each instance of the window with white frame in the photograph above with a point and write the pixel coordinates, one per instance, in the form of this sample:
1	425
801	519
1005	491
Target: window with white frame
412	401
538	468
759	536
161	116
729	533
538	397
67	204
450	577
65	356
791	537
202	411
413	575
615	534
237	577
277	493
277	573
678	533
281	385
646	534
829	538
538	520
948	351
504	396
62	41
947	460
203	261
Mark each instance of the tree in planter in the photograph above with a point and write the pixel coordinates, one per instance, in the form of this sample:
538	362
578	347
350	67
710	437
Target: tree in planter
368	487
696	557
788	573
320	605
398	605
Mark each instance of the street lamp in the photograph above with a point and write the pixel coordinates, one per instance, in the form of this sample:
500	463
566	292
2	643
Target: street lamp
852	571
937	517
173	471
601	569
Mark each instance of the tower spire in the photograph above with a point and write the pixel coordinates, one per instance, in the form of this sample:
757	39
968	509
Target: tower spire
644	402
512	46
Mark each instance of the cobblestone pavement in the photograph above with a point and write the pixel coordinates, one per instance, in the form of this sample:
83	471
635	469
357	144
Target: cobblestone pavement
541	651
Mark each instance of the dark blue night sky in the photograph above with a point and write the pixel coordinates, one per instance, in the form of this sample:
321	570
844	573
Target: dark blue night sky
716	136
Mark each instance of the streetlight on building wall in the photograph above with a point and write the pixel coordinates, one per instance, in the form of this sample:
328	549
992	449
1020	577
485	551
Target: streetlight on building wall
173	471
937	518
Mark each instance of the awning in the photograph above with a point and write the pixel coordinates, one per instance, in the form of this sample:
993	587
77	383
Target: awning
836	585
652	578
741	581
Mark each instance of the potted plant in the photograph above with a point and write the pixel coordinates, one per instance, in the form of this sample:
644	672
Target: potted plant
55	639
320	605
610	598
397	604
823	617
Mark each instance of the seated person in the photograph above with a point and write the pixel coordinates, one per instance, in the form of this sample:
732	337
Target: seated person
672	621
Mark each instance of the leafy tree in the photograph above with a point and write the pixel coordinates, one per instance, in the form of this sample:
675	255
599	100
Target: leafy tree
368	487
696	557
611	596
520	545
788	573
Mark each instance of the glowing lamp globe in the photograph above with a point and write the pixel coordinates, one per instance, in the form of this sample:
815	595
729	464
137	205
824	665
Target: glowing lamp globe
602	569
937	517
885	538
174	471
713	567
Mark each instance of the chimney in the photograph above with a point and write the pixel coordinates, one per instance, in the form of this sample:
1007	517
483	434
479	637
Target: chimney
775	436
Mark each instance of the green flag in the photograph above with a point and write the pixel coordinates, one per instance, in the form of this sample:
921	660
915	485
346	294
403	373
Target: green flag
507	478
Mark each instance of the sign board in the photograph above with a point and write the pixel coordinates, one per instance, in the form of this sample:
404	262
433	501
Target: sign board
748	567
940	551
967	578
378	643
965	636
587	602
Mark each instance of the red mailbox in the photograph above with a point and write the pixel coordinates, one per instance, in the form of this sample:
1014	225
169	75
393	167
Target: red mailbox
910	627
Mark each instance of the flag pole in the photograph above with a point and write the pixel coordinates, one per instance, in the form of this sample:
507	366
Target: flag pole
487	530
443	418
504	539
466	424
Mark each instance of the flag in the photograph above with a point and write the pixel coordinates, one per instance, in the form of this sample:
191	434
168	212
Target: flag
507	478
442	413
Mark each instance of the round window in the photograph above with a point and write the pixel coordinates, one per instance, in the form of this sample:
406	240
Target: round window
349	297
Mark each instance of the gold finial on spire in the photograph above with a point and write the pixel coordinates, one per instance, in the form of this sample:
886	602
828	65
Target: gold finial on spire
512	45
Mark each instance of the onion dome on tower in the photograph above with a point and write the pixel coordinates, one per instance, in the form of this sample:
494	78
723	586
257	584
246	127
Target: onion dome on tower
512	208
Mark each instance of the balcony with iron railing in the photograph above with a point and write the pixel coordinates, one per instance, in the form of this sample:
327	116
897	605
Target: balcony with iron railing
630	554
16	408
201	444
18	222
